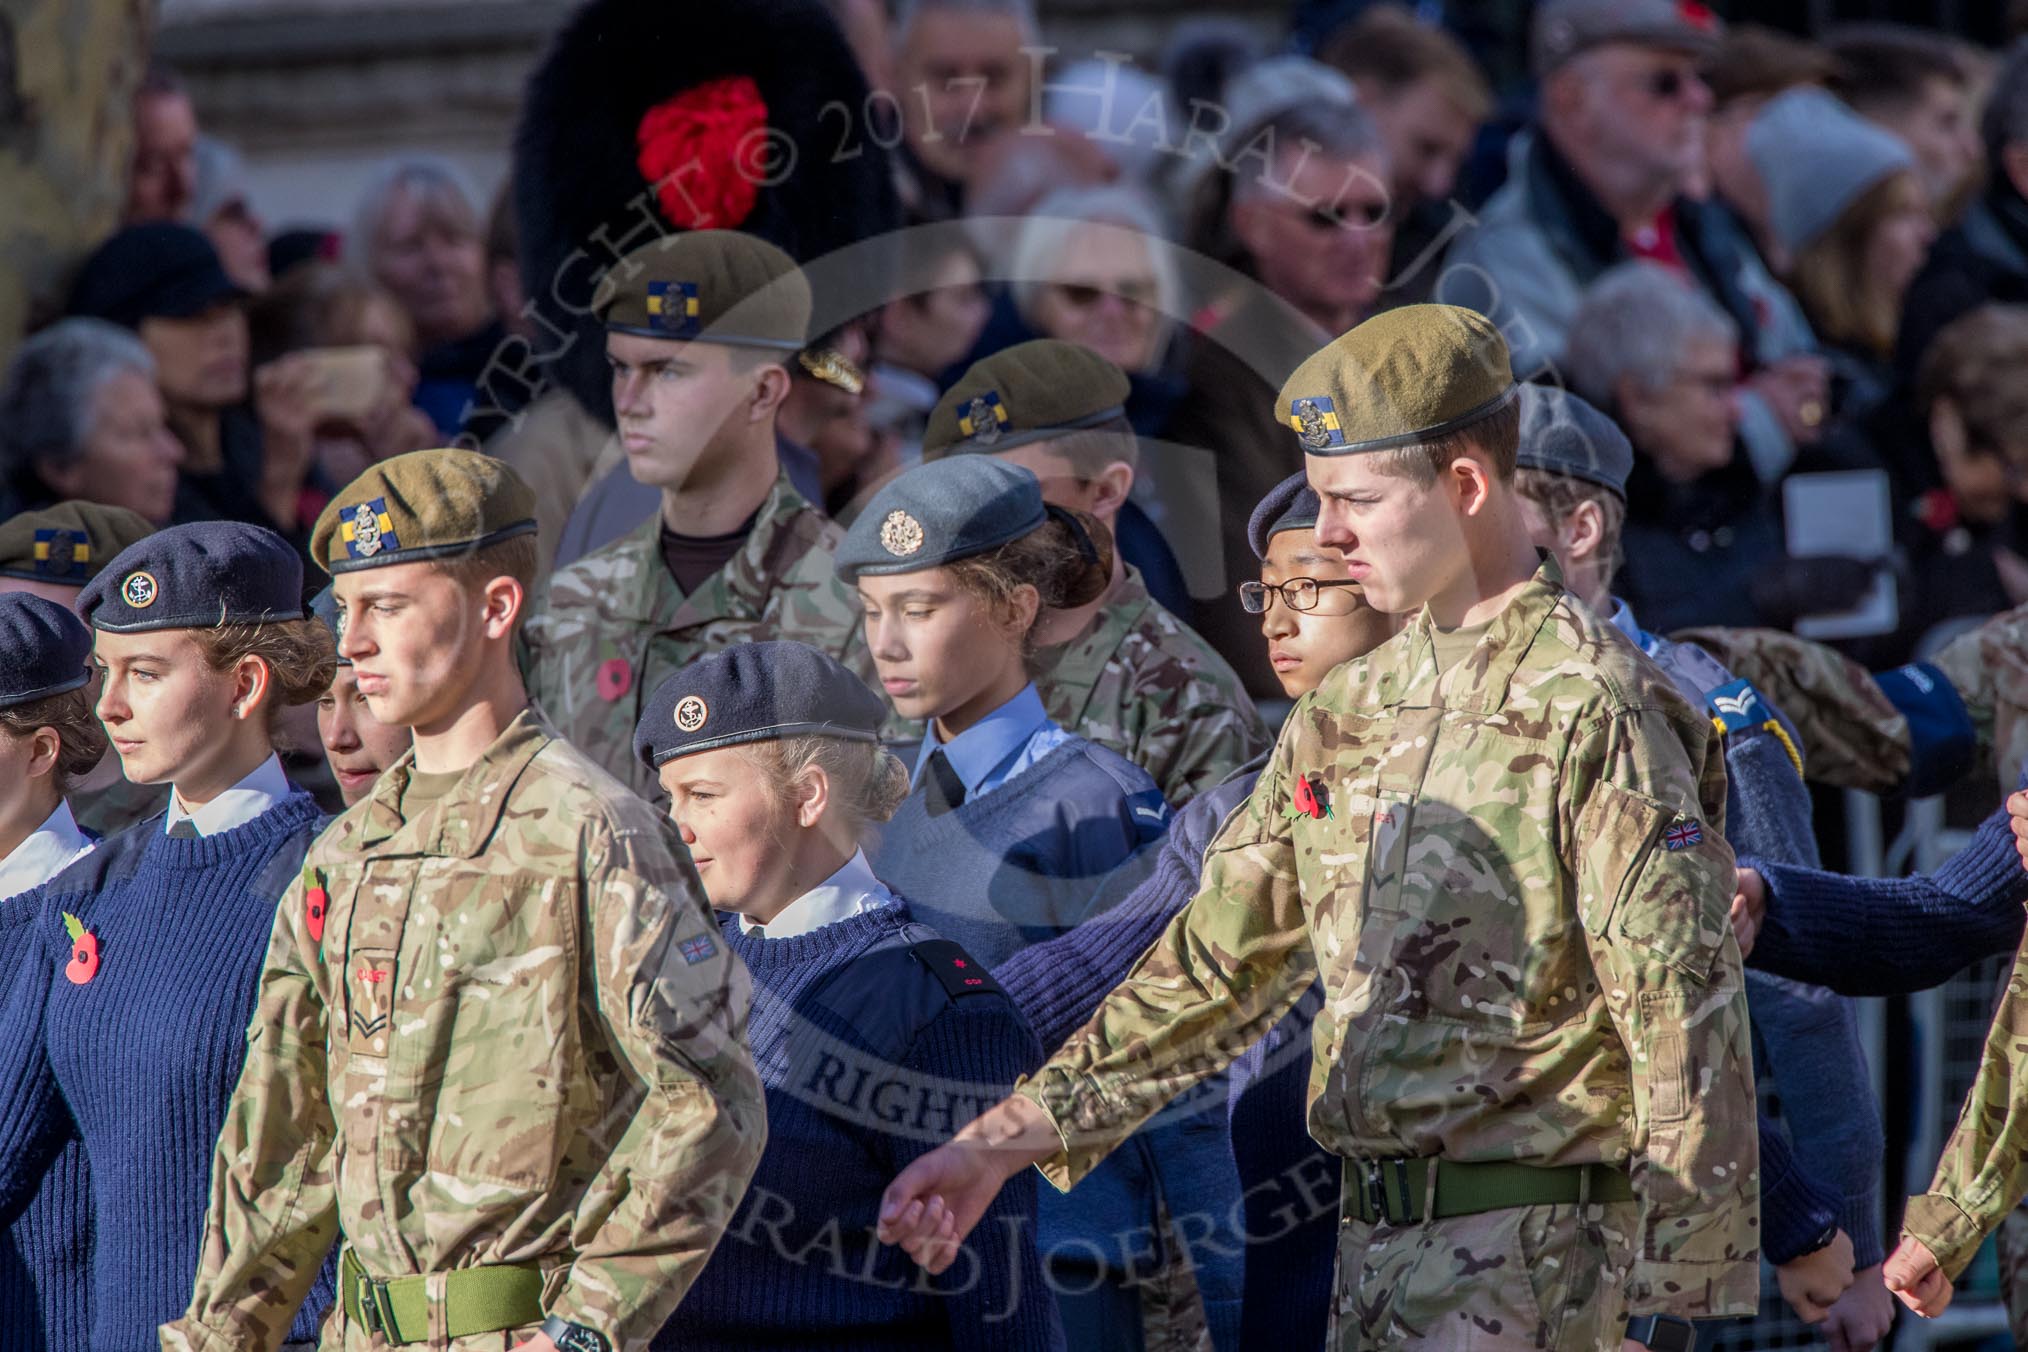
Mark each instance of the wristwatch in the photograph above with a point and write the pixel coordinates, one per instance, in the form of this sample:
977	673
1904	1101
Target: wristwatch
1662	1332
570	1337
1821	1242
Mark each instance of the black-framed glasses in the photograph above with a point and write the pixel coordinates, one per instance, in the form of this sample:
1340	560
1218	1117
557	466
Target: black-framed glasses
1298	593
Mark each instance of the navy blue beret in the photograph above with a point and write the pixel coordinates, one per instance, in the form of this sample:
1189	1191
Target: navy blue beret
1290	505
941	512
1563	434
199	576
324	605
44	649
756	692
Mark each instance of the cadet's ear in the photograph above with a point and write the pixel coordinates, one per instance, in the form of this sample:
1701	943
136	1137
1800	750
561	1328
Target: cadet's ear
770	387
500	605
811	793
1583	531
1470	481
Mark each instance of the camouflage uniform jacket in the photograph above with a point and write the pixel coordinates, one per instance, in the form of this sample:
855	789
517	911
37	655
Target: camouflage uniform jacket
612	625
1513	882
504	1031
1143	684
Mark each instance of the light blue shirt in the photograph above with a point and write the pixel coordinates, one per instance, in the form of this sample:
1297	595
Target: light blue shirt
238	805
997	747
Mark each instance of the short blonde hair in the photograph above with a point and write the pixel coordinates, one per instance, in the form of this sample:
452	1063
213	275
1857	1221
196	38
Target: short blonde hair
301	657
868	781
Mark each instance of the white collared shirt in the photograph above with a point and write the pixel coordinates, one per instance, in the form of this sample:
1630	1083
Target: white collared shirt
852	890
49	849
238	805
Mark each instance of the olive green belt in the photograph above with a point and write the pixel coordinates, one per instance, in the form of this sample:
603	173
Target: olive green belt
476	1300
1394	1190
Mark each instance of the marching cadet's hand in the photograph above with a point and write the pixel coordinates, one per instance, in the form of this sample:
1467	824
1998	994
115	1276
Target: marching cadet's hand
2017	817
934	1203
1862	1316
1812	1283
541	1342
1912	1274
1749	908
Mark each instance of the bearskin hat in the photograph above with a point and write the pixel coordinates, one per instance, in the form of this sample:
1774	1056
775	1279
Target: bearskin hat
708	114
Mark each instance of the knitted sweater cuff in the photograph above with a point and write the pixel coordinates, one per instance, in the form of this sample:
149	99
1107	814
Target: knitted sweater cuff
1794	1208
1859	1217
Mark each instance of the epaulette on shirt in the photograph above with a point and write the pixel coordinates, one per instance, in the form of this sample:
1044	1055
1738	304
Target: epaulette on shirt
889	994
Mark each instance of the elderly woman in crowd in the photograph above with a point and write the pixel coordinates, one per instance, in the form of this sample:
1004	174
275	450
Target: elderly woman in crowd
246	436
417	233
1092	266
1703	542
80	417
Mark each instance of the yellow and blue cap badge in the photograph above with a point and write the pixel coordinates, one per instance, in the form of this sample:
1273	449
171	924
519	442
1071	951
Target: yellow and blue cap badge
673	308
984	419
1316	422
59	552
366	529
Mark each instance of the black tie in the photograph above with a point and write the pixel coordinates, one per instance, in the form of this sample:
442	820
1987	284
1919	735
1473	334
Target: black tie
184	829
942	790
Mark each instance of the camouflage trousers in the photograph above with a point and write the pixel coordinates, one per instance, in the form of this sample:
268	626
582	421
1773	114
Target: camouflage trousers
1538	1277
2013	1254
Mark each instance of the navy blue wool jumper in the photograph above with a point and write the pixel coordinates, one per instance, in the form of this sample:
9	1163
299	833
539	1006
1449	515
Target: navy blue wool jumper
1893	936
45	1248
142	1057
874	1051
1023	862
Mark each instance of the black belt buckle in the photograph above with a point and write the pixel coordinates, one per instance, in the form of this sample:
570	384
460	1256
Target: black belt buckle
1375	1187
1376	1190
1663	1333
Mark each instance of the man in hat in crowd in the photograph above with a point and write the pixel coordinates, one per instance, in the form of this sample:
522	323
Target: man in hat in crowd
53	553
496	994
1498	840
1121	671
1606	175
700	330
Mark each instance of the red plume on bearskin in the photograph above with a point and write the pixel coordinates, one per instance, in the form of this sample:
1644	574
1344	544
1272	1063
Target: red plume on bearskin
761	98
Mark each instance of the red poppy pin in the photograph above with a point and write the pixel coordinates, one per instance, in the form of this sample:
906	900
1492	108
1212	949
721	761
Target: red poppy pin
316	902
615	679
1313	800
84	951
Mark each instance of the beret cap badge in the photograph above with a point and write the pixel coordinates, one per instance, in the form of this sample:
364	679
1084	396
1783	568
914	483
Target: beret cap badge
59	552
139	590
691	711
1316	422
900	534
673	308
984	418
368	530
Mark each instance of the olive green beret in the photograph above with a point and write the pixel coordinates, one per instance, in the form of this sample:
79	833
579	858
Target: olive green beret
423	505
708	286
1028	392
67	544
1402	378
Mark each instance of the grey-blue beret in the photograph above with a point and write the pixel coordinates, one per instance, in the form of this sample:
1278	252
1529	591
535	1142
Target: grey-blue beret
1563	434
1290	505
941	512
